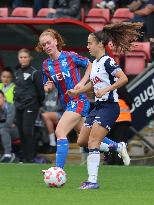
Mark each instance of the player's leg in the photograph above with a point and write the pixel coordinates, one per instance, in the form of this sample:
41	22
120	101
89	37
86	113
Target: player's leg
50	119
67	122
108	144
93	160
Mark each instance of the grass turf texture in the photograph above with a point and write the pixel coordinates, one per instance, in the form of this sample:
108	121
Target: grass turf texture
22	184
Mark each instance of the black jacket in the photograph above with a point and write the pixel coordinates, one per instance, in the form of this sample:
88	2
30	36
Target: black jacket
29	89
65	8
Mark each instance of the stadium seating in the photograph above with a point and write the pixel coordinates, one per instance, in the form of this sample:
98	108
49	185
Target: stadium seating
97	18
137	58
94	2
3	12
122	14
43	12
22	12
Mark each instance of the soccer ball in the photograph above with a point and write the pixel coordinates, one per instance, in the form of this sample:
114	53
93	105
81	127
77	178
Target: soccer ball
54	177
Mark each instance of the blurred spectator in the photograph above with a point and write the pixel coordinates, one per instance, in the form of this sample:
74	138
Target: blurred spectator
143	10
6	85
8	130
107	4
29	96
64	9
120	131
38	4
51	113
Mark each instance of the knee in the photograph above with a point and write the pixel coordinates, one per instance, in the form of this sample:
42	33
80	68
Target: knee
93	143
81	142
59	133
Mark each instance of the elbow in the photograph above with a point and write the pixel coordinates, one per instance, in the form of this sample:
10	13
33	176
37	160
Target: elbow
125	80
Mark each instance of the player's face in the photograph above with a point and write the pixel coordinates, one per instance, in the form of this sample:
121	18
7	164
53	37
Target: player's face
92	46
24	59
49	44
6	78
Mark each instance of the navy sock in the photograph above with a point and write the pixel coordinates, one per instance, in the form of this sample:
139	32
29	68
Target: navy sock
62	151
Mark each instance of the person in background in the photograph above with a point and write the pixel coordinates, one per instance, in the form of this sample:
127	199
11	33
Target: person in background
51	112
143	12
7	85
64	9
28	98
38	4
8	130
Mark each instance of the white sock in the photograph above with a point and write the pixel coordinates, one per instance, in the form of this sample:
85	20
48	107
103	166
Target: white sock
93	161
104	147
52	140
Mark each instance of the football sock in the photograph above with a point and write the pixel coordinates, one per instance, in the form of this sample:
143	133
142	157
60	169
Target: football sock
52	140
93	161
62	151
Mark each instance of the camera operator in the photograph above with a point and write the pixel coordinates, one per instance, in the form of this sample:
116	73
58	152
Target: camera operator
7	129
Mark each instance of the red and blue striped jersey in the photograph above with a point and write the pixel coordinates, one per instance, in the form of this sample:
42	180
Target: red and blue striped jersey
65	74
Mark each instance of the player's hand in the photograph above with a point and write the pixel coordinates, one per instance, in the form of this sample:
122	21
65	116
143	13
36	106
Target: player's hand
100	92
52	10
72	92
79	86
49	86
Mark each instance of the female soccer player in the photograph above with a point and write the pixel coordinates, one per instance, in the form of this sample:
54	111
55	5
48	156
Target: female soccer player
61	69
106	76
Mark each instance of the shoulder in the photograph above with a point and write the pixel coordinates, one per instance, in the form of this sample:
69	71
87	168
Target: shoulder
45	62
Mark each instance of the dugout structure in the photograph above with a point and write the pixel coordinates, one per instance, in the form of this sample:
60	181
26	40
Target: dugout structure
19	32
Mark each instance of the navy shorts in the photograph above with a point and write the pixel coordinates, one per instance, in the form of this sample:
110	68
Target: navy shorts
104	114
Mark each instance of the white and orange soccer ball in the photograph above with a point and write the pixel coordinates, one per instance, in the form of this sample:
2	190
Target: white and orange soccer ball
54	177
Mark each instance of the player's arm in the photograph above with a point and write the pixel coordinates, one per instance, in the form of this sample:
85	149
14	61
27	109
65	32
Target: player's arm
85	78
49	86
122	80
87	88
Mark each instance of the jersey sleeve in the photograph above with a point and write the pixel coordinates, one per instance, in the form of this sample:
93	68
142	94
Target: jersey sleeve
111	67
45	73
80	60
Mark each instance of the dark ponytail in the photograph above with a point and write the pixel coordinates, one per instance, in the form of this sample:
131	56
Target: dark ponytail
121	34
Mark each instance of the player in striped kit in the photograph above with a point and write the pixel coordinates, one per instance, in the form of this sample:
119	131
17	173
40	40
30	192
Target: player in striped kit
61	69
106	76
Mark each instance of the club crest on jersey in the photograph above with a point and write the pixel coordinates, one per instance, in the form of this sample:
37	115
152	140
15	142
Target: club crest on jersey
95	80
26	76
64	63
112	63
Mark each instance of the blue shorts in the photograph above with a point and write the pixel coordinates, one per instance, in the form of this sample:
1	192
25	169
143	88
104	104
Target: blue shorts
80	106
104	113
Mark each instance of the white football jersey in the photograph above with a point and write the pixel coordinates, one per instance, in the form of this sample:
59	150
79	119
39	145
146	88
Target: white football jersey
103	75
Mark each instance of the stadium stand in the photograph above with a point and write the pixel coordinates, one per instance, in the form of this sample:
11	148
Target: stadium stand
122	14
22	12
3	12
97	18
42	12
94	2
137	59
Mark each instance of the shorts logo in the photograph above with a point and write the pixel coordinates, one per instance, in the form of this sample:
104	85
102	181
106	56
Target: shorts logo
107	127
73	104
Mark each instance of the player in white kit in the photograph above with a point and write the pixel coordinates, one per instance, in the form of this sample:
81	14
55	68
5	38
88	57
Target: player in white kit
106	76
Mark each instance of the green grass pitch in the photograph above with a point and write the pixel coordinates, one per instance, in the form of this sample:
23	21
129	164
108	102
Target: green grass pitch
22	184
